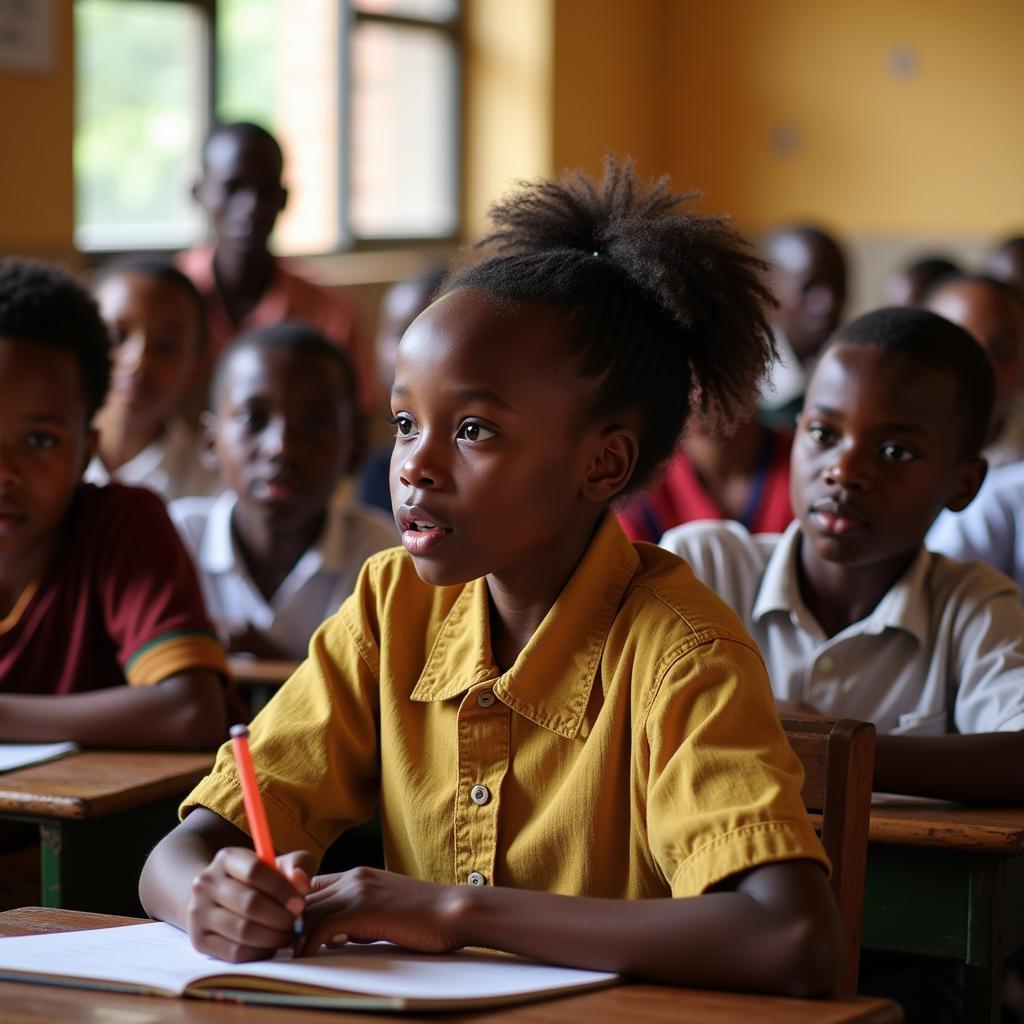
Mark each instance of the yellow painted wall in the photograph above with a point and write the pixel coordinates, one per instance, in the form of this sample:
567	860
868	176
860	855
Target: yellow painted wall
705	90
789	108
611	77
36	124
508	121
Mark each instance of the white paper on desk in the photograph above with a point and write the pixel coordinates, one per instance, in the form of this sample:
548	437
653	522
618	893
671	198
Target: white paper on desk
158	957
21	755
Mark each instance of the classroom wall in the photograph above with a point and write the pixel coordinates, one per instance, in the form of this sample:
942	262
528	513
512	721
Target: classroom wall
509	130
36	122
895	122
886	119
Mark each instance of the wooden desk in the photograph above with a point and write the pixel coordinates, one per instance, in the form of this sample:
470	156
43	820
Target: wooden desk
257	680
23	1003
946	880
99	813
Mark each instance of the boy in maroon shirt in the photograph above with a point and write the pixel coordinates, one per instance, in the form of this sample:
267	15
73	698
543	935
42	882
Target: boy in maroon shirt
95	588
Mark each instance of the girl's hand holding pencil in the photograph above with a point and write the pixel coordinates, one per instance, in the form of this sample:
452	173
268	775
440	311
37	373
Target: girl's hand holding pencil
247	904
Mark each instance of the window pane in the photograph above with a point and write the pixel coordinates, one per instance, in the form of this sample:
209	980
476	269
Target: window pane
278	66
431	10
404	111
140	108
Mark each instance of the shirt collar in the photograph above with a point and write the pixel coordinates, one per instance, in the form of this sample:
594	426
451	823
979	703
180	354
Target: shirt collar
904	606
217	549
551	680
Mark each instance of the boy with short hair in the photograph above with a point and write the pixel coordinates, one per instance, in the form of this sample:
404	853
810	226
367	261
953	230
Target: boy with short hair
992	312
244	285
96	590
275	555
854	617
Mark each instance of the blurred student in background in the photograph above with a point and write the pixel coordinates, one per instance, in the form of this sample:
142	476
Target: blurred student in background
808	280
402	303
742	476
909	285
993	313
1008	262
156	321
275	555
245	286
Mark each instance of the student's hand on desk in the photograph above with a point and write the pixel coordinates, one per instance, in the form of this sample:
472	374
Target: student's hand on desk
242	909
367	905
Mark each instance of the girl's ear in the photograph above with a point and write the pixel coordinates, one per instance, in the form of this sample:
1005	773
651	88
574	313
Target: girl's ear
208	441
971	475
612	466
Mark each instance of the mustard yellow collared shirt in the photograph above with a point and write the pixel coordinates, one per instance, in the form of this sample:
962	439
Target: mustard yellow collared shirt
633	749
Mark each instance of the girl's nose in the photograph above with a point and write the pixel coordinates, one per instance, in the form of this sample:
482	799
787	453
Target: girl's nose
420	468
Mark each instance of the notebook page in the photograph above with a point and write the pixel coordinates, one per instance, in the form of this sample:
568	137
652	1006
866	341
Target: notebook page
21	755
158	956
154	956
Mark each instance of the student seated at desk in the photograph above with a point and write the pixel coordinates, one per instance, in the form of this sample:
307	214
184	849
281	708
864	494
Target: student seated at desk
276	556
96	589
157	324
572	742
854	617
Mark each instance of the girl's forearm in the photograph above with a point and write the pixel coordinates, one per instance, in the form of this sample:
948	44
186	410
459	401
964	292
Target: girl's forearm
776	933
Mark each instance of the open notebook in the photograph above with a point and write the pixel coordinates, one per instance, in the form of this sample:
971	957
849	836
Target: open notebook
158	959
21	755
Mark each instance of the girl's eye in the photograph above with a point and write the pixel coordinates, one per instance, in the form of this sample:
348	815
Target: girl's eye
402	425
476	432
820	434
39	440
897	453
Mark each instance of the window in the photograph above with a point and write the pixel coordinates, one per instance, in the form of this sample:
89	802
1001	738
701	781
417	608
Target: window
363	94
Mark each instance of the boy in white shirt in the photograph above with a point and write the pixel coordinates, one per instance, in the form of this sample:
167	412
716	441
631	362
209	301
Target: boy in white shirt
276	554
854	617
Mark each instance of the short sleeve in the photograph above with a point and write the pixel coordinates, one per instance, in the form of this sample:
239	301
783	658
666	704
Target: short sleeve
315	746
985	531
989	637
723	783
151	601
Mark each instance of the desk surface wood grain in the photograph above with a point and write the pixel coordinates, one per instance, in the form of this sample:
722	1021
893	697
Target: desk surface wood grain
258	672
650	1003
97	782
934	823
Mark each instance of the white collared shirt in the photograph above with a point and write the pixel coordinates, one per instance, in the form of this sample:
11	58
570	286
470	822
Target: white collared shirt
170	466
991	528
942	651
319	581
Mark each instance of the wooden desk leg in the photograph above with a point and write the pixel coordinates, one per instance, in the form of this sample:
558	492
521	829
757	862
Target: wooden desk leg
94	864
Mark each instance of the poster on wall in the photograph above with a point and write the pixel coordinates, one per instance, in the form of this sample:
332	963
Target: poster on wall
26	36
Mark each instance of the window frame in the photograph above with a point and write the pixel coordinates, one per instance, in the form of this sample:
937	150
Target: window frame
349	17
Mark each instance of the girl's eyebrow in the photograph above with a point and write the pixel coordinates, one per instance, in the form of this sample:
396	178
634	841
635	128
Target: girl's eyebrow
464	394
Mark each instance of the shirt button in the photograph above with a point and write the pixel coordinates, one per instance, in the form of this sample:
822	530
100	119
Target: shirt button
479	795
826	664
475	878
486	699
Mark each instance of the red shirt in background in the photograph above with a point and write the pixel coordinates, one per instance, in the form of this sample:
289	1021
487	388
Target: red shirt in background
119	603
288	297
680	497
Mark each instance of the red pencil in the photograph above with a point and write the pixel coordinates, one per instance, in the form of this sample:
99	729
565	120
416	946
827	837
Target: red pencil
251	795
